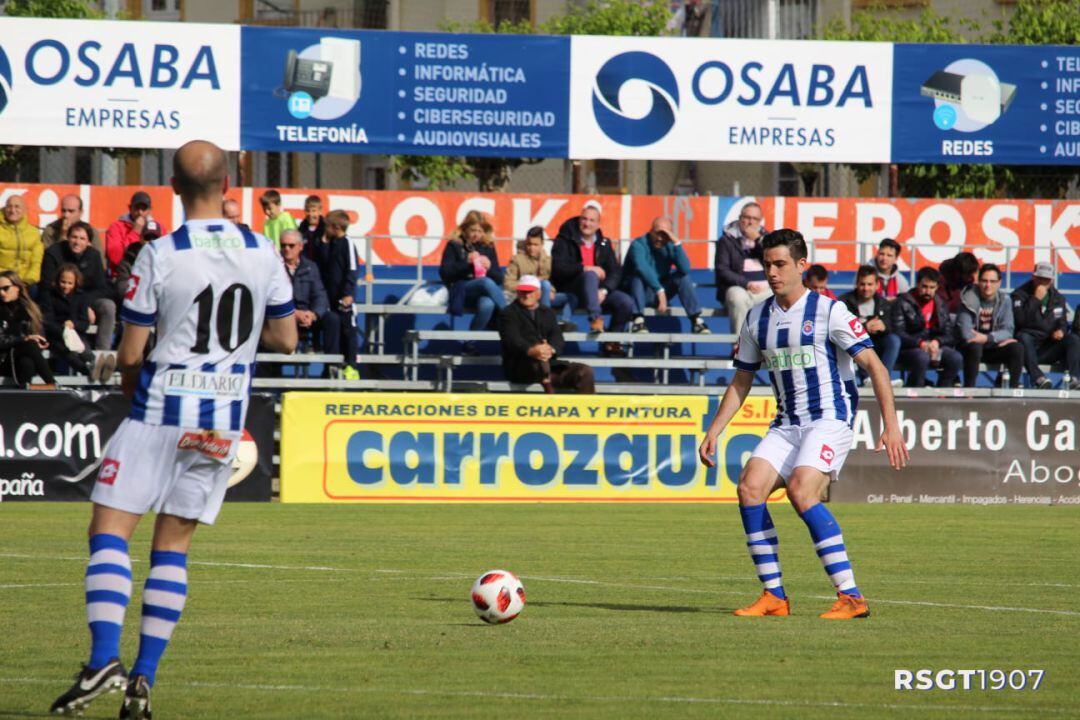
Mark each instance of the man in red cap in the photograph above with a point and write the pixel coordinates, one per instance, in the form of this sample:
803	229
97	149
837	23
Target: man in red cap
129	229
531	342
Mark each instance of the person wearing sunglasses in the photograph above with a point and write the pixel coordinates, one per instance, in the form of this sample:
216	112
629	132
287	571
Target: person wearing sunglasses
21	340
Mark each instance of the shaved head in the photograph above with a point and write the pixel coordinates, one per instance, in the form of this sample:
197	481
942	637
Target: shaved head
200	171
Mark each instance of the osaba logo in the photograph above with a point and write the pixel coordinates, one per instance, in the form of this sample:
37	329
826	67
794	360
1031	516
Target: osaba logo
627	125
5	80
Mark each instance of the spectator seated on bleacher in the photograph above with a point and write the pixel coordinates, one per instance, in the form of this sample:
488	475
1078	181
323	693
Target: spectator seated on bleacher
122	277
313	226
657	268
986	328
891	283
277	220
20	244
740	276
1042	327
339	274
71	208
230	210
129	229
66	316
927	334
957	273
872	309
21	339
531	342
817	280
470	270
76	250
532	259
309	295
586	266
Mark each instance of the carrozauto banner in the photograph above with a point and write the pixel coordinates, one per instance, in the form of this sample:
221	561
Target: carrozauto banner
118	84
405	447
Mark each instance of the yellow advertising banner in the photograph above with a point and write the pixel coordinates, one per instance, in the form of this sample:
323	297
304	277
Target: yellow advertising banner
436	447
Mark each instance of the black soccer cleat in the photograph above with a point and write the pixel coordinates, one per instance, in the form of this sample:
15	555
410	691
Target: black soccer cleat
136	700
90	683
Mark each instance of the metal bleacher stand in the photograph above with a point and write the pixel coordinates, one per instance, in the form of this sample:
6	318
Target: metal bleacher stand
384	294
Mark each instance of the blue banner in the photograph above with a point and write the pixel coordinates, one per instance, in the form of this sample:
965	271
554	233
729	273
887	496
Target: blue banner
407	93
986	104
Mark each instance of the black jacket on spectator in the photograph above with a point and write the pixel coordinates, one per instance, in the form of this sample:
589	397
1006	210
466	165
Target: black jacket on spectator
308	290
728	265
57	308
339	279
519	330
455	269
909	325
312	238
566	263
1029	316
14	326
881	308
89	263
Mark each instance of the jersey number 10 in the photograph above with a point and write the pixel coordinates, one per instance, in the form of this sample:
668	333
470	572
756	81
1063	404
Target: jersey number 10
235	312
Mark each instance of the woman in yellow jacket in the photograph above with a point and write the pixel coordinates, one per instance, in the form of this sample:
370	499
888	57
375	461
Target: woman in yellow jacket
20	242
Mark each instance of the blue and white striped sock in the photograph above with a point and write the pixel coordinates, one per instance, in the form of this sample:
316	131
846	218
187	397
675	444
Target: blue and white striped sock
108	589
163	601
762	542
829	544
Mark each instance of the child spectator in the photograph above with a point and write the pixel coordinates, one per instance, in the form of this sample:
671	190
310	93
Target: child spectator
66	316
277	220
532	259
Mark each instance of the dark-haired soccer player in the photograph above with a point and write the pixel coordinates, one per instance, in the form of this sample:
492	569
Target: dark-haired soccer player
807	342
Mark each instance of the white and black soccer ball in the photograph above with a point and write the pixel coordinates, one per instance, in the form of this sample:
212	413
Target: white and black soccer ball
498	596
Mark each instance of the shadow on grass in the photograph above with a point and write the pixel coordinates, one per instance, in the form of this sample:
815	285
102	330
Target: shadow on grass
617	607
22	714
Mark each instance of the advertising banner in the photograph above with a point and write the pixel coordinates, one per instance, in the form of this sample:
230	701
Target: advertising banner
709	99
396	447
52	444
1014	232
97	83
976	452
327	90
402	447
986	104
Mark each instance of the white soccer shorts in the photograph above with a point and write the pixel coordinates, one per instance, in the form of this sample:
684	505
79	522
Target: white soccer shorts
171	470
823	444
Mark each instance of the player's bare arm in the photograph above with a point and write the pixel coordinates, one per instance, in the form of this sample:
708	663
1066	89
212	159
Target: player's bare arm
279	334
129	356
733	399
891	440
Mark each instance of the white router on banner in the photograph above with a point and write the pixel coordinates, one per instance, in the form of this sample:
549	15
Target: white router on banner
345	57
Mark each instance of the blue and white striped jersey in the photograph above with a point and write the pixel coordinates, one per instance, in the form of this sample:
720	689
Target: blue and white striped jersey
207	288
807	351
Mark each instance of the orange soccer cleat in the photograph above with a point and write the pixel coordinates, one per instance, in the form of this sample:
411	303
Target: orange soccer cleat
767	604
847	607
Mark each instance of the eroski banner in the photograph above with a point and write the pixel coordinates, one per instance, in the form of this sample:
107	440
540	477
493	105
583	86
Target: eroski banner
118	84
707	99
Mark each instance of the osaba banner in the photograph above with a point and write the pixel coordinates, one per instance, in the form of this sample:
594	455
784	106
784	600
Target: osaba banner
395	447
52	444
970	451
401	226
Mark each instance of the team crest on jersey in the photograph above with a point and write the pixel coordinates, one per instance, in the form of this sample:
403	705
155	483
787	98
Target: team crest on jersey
109	470
208	443
133	286
808	327
857	327
827	454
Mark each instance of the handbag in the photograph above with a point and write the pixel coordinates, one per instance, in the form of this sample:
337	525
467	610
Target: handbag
72	341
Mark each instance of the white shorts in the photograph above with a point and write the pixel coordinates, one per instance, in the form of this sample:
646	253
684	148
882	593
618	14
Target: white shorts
171	470
823	445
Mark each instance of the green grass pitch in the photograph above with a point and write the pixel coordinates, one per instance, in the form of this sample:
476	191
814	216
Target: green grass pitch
363	612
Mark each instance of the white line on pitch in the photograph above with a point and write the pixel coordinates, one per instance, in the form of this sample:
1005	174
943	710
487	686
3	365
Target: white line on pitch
674	699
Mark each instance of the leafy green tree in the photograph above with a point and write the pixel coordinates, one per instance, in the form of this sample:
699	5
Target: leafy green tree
597	17
1034	22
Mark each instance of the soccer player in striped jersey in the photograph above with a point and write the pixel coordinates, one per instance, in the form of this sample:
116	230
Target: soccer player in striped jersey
807	343
207	289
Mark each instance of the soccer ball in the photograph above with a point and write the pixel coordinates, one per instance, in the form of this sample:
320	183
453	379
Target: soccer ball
498	596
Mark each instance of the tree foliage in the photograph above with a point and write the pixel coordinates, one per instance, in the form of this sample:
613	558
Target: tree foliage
1034	22
596	17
